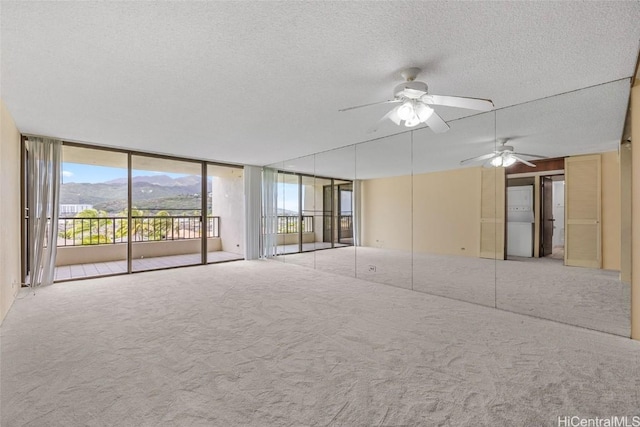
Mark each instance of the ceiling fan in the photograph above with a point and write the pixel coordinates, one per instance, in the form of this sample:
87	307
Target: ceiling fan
503	156
415	104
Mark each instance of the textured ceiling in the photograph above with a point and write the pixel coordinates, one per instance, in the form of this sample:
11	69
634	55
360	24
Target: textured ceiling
258	82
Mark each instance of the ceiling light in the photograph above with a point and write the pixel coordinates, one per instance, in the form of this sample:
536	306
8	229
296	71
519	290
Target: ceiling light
412	121
406	111
508	160
497	161
423	112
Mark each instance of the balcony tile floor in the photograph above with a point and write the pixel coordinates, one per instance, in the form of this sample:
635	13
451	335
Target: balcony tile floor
79	271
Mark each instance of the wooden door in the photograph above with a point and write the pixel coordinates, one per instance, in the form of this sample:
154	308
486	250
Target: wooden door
582	211
492	213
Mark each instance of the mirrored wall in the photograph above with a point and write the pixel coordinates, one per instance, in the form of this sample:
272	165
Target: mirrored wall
519	209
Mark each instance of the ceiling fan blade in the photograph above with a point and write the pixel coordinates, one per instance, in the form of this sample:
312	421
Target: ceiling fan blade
478	158
459	102
523	161
391	101
531	155
391	115
436	123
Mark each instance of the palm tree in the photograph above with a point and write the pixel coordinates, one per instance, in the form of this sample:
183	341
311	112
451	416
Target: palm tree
163	225
91	226
140	226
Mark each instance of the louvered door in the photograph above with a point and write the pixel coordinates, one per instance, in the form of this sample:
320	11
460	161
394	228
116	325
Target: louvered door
582	212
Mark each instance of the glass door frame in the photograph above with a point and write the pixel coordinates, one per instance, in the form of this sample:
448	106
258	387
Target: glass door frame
24	258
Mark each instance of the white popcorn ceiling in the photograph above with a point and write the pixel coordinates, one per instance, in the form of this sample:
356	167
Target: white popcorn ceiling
260	82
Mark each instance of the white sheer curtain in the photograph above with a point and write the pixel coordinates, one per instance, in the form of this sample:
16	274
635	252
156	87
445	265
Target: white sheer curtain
253	207
43	181
269	212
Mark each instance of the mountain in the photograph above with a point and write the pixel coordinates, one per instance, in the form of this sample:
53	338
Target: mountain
164	180
153	192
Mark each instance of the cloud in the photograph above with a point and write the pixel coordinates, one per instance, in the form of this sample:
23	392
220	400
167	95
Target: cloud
67	174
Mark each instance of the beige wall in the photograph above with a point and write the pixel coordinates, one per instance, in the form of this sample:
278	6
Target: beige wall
611	216
386	218
446	212
635	209
9	211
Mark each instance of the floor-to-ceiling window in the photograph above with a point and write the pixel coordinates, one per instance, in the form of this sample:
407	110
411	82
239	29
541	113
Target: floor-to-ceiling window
166	213
92	232
225	213
123	211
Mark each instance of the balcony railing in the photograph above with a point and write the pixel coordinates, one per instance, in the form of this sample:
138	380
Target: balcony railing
291	224
346	226
111	230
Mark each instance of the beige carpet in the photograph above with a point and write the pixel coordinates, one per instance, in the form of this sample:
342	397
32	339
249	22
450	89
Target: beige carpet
542	287
262	343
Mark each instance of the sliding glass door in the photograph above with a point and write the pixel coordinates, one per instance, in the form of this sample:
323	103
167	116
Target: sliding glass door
166	213
225	213
123	212
92	225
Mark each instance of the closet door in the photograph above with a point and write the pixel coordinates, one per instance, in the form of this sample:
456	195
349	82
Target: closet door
582	212
492	212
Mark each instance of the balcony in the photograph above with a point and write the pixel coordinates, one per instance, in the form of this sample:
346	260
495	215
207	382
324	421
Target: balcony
95	246
289	226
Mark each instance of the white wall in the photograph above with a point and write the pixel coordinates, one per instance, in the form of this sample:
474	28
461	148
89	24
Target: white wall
558	213
9	211
228	203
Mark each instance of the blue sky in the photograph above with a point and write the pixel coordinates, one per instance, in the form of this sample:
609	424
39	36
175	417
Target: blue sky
76	172
83	173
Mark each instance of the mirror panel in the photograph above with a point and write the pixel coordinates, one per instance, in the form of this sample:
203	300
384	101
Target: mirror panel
454	215
383	186
335	171
301	198
272	193
563	228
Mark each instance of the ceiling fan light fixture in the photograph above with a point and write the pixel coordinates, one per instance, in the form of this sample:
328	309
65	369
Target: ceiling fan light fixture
508	160
423	112
497	161
413	121
406	111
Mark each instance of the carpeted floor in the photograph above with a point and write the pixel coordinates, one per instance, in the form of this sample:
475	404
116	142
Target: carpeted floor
541	287
262	343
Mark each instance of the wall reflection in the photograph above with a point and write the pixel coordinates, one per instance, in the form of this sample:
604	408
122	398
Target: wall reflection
431	212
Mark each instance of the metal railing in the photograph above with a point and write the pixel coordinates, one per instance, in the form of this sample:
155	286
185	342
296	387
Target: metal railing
346	226
291	224
111	230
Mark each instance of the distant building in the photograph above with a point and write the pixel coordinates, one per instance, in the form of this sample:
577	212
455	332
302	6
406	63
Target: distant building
72	210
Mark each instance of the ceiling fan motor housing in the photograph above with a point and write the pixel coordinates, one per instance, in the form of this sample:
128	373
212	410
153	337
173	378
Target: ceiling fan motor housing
414	85
505	148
